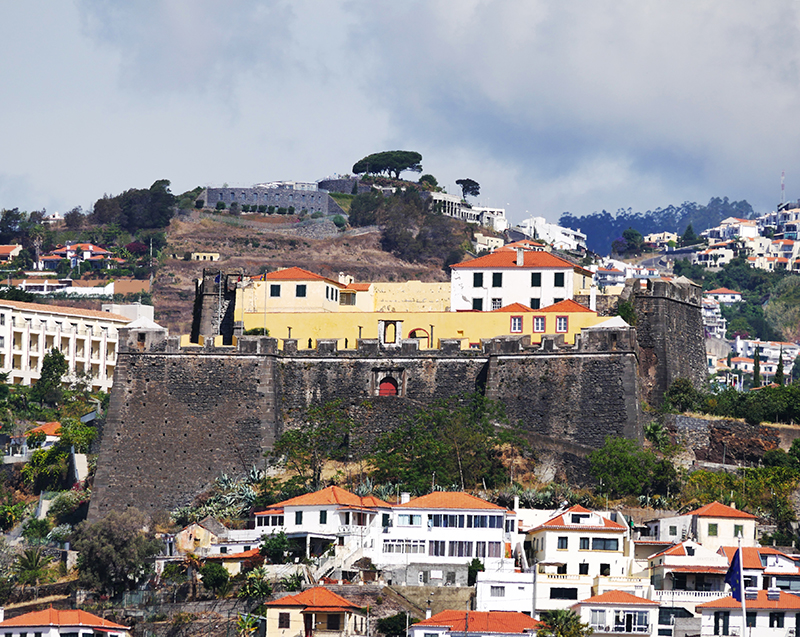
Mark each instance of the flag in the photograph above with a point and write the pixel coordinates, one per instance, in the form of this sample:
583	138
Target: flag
734	575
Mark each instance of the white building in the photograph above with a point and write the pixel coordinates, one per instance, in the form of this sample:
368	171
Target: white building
768	353
616	612
454	206
61	623
713	525
731	228
770	613
714	323
559	237
725	296
88	340
765	567
533	278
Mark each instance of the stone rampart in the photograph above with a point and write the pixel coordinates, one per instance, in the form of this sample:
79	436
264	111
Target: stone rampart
180	417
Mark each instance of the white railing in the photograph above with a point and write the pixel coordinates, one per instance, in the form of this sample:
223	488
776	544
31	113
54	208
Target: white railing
687	596
620	628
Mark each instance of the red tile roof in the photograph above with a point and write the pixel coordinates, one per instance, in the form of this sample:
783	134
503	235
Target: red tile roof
719	510
508	259
53	617
330	495
786	601
751	556
514	307
719	570
49	429
358	287
60	309
299	274
723	291
242	555
567	305
617	597
318	597
450	500
482	621
5	251
559	522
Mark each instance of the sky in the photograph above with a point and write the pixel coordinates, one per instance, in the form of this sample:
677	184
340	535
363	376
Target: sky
551	106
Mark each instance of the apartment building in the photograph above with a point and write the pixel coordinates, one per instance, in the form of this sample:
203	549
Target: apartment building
88	339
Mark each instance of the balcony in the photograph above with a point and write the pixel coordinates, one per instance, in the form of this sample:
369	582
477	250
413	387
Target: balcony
621	629
686	597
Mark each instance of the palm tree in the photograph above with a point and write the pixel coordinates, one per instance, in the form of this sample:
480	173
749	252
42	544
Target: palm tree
563	623
193	565
31	567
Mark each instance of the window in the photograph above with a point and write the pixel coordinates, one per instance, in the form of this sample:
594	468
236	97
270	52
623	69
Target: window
538	323
477	304
563	593
562	324
751	618
584	544
347	298
477	279
497	304
516	324
386	519
497	279
223	550
712	530
598	618
298	517
274	290
558	280
408	519
450	578
334	622
535	304
738	530
494	549
562	542
323	517
583	569
605	570
561	569
673	530
436	548
776	619
557	300
497	591
2	319
536	279
605	544
721	621
300	290
480	549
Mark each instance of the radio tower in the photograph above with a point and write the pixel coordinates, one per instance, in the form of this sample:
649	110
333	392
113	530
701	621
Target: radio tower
783	187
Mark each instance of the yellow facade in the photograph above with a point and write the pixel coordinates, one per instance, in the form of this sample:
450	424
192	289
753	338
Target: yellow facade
411	296
428	327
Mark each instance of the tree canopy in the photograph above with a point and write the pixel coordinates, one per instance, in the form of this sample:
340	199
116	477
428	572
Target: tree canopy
624	468
135	209
389	162
469	187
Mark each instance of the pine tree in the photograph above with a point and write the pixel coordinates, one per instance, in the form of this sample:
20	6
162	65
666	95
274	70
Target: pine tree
756	370
779	370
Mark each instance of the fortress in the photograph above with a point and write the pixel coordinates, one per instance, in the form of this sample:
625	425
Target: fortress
182	414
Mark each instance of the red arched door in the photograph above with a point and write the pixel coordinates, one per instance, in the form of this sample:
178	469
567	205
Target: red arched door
387	387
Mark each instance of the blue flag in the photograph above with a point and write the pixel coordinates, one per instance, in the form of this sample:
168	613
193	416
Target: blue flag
734	575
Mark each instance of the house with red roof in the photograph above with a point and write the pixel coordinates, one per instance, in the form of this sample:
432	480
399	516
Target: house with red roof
766	567
687	574
9	252
77	253
61	623
615	612
19	444
578	553
725	296
316	610
712	525
533	278
769	613
453	623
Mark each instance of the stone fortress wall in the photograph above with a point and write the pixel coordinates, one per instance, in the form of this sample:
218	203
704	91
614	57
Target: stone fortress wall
179	417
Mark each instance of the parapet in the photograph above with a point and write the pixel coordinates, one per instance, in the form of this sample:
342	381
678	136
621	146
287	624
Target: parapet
679	289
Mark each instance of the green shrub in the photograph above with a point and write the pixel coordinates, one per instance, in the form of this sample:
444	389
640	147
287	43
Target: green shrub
220	205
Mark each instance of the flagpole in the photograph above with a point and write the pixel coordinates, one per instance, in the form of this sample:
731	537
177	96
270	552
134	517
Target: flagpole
742	589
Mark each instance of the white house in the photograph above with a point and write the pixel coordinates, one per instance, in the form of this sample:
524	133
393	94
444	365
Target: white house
579	553
770	613
714	323
559	237
533	278
88	340
712	525
616	612
765	567
61	623
724	296
470	623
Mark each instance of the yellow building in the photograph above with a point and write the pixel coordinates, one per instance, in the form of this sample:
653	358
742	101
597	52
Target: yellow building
316	610
566	318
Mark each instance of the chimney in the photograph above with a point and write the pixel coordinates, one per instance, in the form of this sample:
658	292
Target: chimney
733	505
428	612
516	502
520	257
405	497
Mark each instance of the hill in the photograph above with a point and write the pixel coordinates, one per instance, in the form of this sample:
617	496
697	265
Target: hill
260	244
602	228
